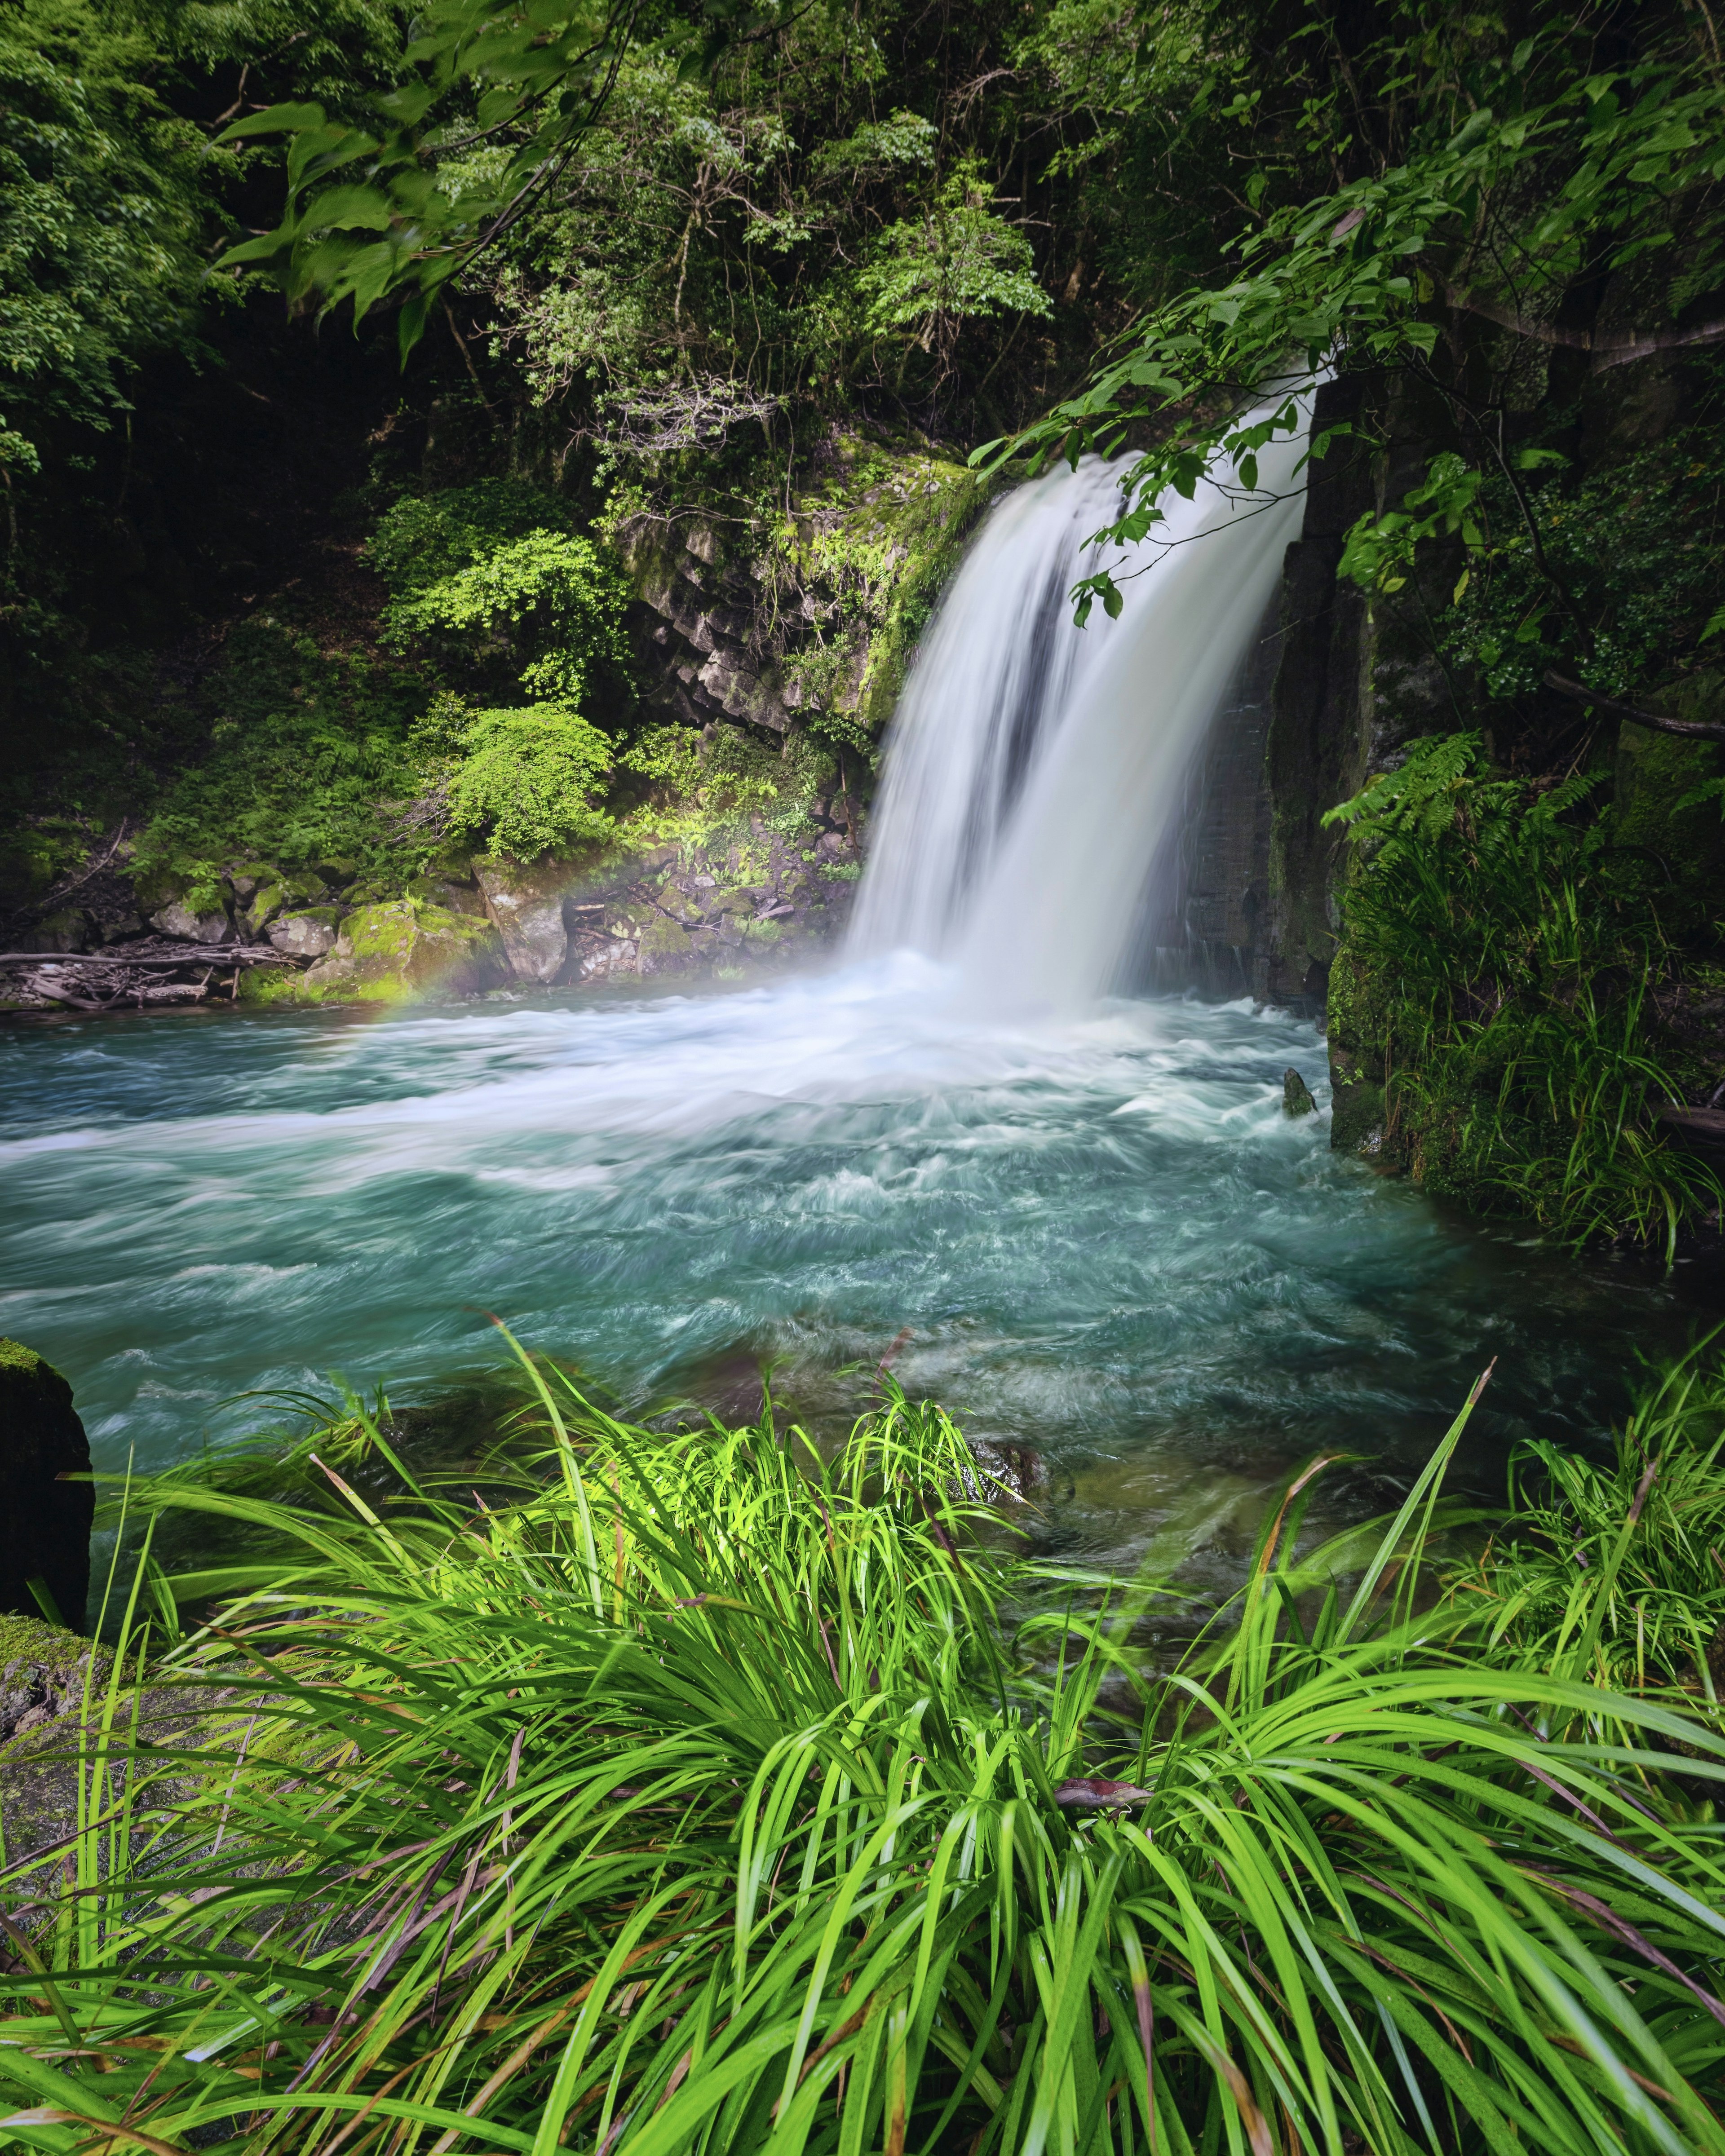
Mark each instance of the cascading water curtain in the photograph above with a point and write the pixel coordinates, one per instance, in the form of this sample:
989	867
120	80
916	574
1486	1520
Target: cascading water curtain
1035	766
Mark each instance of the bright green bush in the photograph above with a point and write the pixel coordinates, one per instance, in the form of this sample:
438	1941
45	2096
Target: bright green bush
550	595
958	262
424	538
492	578
529	779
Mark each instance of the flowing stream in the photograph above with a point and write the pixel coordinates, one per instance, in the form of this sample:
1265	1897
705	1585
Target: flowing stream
1083	1219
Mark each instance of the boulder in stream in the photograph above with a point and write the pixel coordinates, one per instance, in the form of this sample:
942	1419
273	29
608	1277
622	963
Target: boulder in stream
44	1522
390	952
311	933
1296	1094
526	903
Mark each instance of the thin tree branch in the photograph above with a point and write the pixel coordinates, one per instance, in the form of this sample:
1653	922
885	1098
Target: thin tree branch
1660	721
1608	348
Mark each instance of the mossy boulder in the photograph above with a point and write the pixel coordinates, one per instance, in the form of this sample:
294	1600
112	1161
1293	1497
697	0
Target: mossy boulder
45	1520
268	898
68	930
261	985
394	951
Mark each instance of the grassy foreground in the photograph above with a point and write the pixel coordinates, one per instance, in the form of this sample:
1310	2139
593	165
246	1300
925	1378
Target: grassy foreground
698	1796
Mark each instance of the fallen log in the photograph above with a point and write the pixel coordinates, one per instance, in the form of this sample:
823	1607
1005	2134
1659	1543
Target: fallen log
1702	1127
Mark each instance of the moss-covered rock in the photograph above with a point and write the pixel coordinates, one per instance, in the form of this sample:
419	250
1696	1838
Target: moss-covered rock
267	899
45	1520
396	951
67	930
262	986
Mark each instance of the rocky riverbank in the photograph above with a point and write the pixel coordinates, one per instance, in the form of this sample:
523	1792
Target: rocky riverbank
717	910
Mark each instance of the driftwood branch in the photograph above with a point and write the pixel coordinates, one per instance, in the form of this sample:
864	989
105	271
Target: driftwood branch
1660	722
193	954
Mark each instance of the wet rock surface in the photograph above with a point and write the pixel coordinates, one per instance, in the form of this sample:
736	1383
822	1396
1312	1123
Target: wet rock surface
403	947
45	1520
524	903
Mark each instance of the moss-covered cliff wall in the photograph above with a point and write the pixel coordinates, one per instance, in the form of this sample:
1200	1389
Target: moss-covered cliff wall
1493	1005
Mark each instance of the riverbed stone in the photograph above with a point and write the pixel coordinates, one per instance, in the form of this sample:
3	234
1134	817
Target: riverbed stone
525	901
176	918
1296	1094
44	1522
310	934
390	953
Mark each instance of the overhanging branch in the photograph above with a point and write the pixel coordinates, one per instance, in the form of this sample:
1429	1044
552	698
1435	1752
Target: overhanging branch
1660	722
1608	348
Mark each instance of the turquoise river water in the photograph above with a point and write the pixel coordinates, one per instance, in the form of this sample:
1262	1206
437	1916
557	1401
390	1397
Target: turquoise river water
1100	1237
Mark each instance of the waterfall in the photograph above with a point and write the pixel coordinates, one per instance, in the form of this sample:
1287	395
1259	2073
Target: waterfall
1034	769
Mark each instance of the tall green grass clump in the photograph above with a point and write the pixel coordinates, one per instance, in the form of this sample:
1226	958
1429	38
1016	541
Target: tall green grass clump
1493	996
702	1793
1615	1570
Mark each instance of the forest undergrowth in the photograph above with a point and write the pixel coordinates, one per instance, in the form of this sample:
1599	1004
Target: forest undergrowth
691	1789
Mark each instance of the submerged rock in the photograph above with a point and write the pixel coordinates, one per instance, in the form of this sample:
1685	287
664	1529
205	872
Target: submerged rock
1010	1470
388	953
1295	1094
44	1522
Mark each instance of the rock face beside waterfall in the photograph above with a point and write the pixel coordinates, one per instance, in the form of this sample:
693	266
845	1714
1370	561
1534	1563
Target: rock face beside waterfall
819	621
668	913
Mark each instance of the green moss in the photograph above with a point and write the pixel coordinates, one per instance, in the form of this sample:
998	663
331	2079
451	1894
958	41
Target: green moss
261	985
661	937
392	952
15	1356
34	1640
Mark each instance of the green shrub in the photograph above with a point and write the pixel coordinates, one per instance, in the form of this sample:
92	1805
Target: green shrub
1495	977
527	779
424	538
1617	1570
495	594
